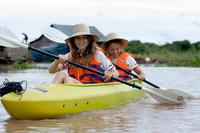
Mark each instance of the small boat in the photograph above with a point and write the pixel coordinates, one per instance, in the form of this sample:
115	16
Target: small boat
57	100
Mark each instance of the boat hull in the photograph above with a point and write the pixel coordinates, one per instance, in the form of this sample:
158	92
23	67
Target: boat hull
55	100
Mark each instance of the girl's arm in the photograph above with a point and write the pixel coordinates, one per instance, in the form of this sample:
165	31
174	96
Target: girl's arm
54	66
58	65
140	73
135	67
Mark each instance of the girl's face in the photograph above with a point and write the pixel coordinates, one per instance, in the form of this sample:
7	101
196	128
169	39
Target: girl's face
114	49
81	42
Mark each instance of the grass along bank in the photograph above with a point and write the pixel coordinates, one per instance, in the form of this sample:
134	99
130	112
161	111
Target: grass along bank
179	53
19	65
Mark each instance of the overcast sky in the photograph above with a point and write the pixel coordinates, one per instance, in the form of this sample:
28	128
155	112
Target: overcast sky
157	21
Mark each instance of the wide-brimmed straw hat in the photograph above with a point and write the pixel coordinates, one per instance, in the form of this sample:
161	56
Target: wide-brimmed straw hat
82	29
114	36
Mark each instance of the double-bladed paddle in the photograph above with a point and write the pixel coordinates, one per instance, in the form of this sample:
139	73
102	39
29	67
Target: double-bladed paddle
160	95
52	33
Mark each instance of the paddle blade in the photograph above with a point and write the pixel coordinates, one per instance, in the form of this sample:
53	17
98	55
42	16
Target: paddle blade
6	44
54	35
10	42
163	96
6	32
182	93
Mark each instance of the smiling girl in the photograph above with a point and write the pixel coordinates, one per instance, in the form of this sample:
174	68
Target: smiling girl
114	49
83	51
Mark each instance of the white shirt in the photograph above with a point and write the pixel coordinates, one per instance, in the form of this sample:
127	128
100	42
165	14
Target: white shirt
131	62
106	63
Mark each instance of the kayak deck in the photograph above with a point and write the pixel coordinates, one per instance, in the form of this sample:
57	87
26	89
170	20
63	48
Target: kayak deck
55	100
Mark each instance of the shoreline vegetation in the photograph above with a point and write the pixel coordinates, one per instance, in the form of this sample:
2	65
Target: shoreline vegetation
177	53
19	65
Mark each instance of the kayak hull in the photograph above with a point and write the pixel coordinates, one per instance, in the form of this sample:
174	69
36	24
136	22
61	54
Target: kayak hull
56	100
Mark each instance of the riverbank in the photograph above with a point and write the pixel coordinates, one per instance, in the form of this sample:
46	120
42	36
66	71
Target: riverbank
5	68
10	68
181	59
179	53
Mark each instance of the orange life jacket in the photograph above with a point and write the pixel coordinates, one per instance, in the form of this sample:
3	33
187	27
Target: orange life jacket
121	62
85	76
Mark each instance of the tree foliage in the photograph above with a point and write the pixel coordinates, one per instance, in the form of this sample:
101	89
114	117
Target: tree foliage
176	53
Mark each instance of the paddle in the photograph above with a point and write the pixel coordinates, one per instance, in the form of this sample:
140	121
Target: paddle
54	35
161	96
178	92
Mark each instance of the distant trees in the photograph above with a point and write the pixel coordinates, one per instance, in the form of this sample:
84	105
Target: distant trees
196	45
136	46
179	45
177	53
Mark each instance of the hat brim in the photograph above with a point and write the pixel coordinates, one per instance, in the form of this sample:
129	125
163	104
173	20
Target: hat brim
95	37
124	43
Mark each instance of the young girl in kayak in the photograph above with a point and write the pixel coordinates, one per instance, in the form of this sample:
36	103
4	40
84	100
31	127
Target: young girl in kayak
82	51
114	49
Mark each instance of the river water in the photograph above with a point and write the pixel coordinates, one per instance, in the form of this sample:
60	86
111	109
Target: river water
144	116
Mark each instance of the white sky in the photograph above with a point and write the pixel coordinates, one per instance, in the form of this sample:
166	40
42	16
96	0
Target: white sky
157	21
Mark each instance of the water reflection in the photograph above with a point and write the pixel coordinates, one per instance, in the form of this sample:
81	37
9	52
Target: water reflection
143	116
94	121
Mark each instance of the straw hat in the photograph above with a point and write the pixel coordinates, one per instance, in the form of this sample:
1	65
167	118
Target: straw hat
114	36
81	29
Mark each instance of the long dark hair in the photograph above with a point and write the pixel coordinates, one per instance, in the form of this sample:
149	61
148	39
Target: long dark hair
89	53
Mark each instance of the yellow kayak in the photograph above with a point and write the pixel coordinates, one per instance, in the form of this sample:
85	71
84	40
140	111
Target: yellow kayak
55	100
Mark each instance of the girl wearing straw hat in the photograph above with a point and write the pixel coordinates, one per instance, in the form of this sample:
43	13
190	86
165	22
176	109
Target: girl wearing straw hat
114	49
83	51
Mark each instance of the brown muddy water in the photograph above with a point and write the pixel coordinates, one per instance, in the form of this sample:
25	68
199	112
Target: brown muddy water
144	116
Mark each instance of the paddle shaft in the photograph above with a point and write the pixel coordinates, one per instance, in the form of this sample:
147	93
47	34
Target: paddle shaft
130	73
81	66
